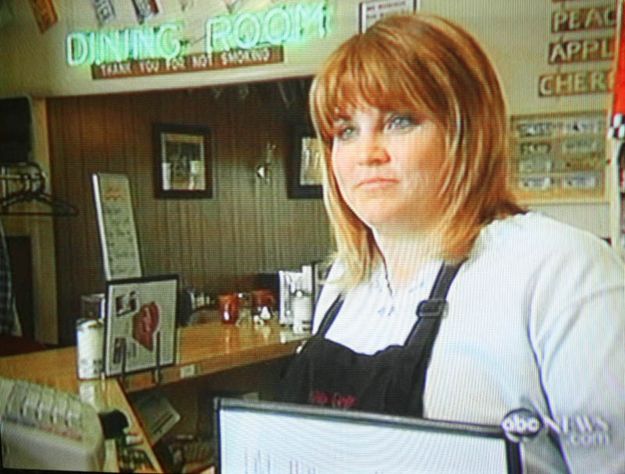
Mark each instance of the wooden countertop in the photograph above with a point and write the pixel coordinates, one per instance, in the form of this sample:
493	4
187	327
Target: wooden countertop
214	347
201	350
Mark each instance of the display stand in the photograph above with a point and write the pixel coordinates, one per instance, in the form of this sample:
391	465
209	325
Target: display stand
123	369
157	375
140	324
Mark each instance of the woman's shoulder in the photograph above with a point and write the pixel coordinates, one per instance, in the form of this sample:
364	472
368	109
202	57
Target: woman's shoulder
536	239
541	232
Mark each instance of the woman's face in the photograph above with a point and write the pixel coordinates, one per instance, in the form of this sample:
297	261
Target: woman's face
387	165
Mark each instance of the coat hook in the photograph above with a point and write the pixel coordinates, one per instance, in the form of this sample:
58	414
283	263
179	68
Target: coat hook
263	169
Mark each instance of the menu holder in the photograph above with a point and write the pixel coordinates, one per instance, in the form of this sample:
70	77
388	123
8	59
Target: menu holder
140	325
116	226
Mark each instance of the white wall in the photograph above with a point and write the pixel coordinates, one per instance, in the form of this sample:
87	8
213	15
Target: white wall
35	63
515	32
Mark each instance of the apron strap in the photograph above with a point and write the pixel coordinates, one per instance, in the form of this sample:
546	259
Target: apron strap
431	311
432	308
330	315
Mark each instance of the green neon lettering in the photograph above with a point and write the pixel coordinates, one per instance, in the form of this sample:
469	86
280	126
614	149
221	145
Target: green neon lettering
120	45
109	47
168	46
143	43
92	48
217	31
76	49
309	15
247	31
277	26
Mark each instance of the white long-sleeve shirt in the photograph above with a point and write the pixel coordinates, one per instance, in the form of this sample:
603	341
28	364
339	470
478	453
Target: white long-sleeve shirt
536	320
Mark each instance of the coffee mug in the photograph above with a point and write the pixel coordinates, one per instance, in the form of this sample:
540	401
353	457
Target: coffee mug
228	308
262	298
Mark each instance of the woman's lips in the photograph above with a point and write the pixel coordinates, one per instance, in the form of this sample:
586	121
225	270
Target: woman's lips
376	182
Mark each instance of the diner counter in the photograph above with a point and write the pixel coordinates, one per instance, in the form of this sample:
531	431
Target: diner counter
202	349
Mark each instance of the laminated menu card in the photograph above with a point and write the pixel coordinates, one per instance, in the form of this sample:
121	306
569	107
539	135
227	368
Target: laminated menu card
116	226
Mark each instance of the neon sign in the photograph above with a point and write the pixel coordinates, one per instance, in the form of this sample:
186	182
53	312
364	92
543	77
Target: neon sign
98	47
274	26
278	25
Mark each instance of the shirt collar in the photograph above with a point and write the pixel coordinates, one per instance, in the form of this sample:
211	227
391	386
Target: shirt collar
380	282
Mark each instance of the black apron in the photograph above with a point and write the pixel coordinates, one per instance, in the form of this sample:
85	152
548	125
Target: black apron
390	381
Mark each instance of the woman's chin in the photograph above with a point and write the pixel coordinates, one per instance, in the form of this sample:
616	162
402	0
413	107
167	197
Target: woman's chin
391	224
386	224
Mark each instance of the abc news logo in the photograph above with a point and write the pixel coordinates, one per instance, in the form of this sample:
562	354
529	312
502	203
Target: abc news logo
582	431
520	424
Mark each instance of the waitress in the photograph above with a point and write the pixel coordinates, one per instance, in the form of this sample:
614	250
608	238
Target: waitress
446	299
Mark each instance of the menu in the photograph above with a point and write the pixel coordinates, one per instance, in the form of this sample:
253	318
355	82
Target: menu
559	157
116	226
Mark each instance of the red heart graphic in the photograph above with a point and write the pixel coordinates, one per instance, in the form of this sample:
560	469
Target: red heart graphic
145	324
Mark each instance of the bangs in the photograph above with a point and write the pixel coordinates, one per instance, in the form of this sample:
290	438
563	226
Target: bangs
364	73
433	69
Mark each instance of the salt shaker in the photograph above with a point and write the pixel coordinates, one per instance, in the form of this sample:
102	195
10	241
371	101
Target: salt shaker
301	305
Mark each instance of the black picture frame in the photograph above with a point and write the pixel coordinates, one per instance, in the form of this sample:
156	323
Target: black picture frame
140	324
183	162
304	170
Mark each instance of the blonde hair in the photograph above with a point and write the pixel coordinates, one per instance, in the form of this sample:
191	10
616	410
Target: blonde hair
428	64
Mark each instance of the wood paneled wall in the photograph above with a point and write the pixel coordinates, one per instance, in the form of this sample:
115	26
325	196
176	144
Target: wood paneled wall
216	245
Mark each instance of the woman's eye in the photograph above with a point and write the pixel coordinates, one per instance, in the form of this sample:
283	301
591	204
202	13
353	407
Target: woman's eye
400	122
345	132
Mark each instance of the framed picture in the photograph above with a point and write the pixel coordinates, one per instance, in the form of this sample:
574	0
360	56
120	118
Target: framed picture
305	167
140	324
374	10
182	161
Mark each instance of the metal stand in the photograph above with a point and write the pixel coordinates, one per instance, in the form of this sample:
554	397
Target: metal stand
157	375
124	358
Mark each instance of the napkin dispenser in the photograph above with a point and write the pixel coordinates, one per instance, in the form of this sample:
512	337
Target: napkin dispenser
309	280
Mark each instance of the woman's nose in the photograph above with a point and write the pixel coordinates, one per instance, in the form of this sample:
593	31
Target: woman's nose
372	149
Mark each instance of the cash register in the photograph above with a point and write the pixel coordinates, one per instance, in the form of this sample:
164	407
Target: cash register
44	428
